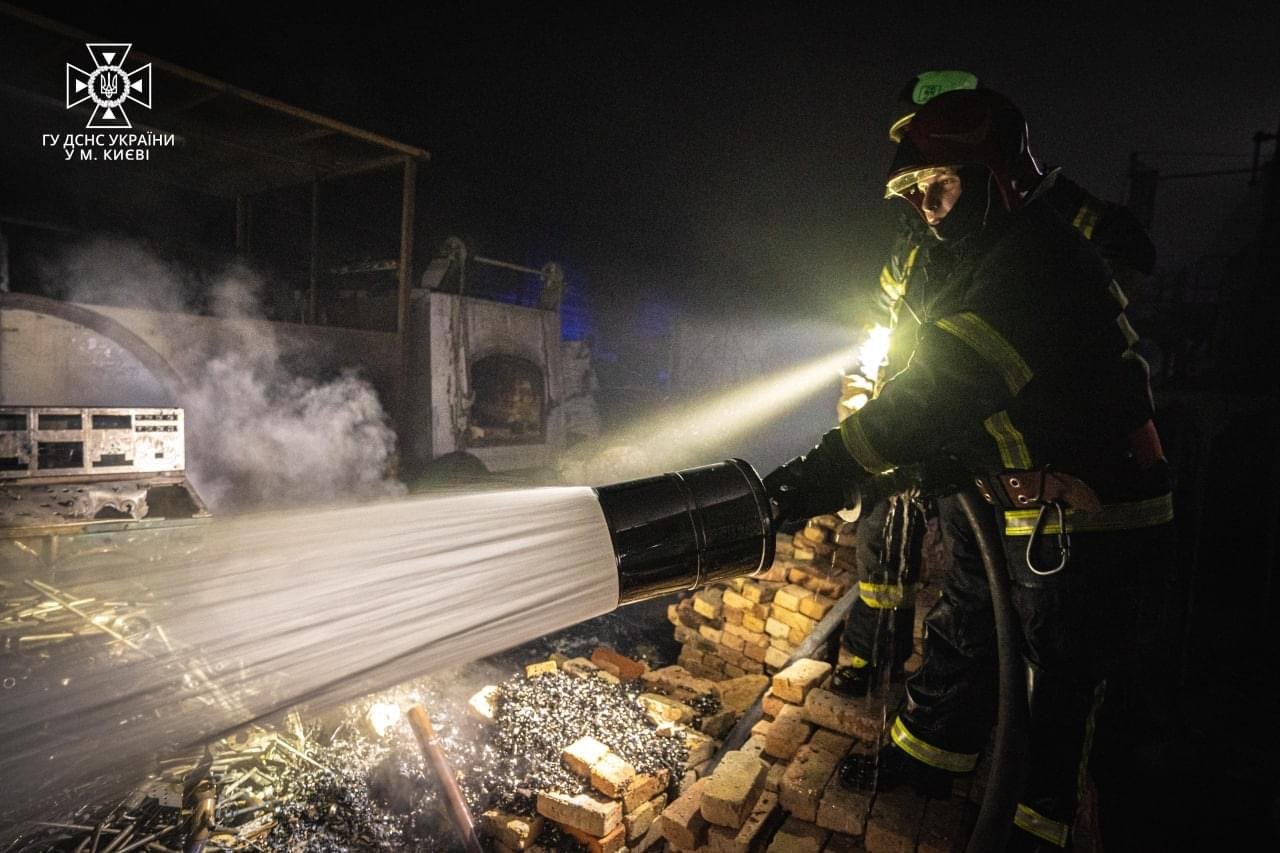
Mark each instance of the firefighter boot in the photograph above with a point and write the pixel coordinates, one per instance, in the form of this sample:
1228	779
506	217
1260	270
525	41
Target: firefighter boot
891	768
861	677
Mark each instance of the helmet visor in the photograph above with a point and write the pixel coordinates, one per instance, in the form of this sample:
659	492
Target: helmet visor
903	184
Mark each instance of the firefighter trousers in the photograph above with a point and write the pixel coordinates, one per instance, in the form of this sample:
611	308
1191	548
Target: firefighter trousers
880	623
1094	619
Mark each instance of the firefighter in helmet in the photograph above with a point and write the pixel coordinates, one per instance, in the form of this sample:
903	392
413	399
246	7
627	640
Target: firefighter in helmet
1022	371
877	636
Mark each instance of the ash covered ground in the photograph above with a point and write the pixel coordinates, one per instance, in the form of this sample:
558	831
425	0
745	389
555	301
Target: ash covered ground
353	777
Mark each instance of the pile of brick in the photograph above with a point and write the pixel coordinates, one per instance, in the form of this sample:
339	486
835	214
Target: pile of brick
620	807
780	793
753	625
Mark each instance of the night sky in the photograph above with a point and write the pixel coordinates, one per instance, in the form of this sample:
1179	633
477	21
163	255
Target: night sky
716	160
701	154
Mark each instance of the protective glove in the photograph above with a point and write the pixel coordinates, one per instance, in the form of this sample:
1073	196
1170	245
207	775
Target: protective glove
822	481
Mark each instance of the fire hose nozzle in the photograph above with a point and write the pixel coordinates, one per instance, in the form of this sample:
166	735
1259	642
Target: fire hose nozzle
685	529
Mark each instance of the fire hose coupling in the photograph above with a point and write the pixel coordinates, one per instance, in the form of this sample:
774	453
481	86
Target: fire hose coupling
686	529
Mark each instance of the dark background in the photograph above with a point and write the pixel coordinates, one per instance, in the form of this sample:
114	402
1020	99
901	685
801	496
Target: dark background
687	154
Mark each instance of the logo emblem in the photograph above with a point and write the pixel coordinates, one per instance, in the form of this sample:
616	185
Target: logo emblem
109	86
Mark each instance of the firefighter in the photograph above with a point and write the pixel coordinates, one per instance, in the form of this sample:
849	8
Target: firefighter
877	634
1023	373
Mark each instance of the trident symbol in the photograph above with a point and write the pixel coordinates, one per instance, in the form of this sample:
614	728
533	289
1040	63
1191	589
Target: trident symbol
110	85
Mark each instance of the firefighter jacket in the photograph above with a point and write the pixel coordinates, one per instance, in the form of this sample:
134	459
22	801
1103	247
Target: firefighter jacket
1024	359
906	293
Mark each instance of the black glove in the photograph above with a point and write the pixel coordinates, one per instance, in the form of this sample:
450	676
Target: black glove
822	481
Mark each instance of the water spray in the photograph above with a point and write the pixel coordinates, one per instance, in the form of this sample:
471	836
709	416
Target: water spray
286	610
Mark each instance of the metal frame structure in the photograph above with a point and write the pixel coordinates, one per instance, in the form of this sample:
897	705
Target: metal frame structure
231	143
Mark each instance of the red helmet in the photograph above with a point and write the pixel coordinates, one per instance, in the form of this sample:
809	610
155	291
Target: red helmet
965	127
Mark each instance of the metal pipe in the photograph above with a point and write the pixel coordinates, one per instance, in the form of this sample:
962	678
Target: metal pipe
509	266
686	529
453	799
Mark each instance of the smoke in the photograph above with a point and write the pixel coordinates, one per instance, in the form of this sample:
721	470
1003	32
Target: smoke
266	425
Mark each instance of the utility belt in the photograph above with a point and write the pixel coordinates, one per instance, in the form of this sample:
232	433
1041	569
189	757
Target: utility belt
1043	501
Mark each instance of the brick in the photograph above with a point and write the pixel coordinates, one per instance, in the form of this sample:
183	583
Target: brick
732	656
483	704
665	708
829	585
643	788
836	744
651	842
682	822
829	521
543	667
712	634
700	746
582	754
753	622
637	821
771	704
776	659
787	732
754	746
628	669
734	671
516	832
842	809
756	651
734	642
686	614
782	644
894	822
775	627
843	714
794	683
796	836
773	779
761	728
708	602
678	682
759	593
764	816
691	654
614	841
947	825
817	607
803	555
740	693
732	615
737	600
732	789
789	597
591	814
802	785
611	775
705	644
838	843
673	614
795	620
717	725
582	667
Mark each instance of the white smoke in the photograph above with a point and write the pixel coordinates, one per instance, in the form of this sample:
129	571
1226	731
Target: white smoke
260	432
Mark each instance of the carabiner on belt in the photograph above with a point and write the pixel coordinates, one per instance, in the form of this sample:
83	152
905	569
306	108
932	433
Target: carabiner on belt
1064	539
